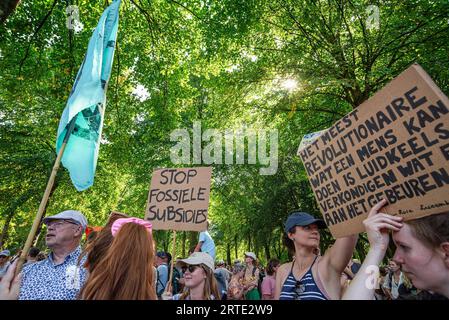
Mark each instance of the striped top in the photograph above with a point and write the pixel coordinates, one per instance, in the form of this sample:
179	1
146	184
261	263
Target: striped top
304	289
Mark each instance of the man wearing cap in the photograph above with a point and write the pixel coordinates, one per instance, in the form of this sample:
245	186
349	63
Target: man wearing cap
311	276
4	262
59	277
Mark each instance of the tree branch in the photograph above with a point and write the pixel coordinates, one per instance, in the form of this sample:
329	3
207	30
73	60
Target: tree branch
187	9
39	27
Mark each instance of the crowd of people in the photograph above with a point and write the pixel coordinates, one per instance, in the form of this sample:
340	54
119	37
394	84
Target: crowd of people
120	262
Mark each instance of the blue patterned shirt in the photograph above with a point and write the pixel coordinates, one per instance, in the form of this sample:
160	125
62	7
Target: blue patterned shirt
46	281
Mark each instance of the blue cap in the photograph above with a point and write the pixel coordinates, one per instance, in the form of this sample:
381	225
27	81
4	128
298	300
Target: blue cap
164	255
355	267
302	219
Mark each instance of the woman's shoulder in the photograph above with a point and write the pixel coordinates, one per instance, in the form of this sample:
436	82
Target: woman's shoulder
284	268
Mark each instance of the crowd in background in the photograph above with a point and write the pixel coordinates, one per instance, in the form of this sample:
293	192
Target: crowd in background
120	261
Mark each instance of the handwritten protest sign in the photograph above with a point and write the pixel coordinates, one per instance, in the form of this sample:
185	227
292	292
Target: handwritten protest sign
395	146
307	139
179	199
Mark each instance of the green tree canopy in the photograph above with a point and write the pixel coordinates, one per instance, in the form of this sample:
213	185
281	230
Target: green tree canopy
295	66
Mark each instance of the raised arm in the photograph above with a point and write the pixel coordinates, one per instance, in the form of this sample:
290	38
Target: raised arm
340	253
201	240
198	246
377	226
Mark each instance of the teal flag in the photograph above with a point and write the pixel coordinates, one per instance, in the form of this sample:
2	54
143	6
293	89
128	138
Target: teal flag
87	102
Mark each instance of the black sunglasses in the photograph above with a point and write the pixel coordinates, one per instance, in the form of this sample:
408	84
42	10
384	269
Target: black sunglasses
299	288
192	268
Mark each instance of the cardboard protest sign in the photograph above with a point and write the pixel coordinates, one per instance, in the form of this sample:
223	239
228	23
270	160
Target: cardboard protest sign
394	146
179	199
307	139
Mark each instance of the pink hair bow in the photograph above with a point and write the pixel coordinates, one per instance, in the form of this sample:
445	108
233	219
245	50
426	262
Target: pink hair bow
120	222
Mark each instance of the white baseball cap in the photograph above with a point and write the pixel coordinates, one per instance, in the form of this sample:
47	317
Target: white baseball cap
251	255
73	215
197	258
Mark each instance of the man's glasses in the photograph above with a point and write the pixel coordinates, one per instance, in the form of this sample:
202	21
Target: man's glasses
58	224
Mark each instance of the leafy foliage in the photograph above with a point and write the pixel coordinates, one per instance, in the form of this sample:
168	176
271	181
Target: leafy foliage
223	63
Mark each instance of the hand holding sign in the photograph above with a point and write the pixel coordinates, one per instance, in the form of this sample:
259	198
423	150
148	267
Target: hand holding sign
377	226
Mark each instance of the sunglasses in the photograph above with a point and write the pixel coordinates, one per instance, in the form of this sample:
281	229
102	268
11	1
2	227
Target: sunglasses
192	268
299	288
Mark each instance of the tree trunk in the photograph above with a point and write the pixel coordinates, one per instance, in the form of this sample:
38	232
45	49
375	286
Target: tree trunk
267	252
11	212
256	251
166	241
277	253
228	254
193	240
4	234
6	9
236	247
184	238
280	244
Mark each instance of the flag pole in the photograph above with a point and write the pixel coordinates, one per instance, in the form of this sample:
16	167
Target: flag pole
40	212
169	288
